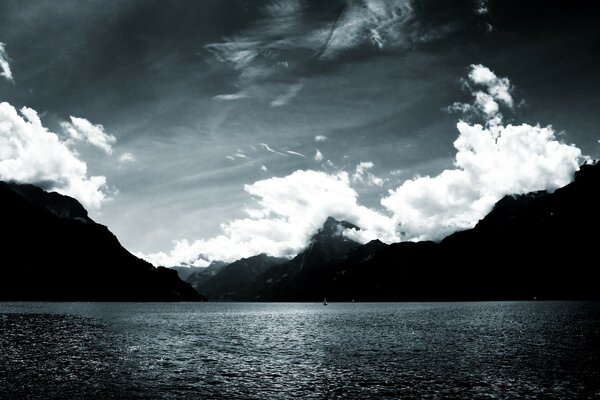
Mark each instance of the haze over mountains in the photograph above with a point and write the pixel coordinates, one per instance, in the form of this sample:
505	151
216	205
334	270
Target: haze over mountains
538	245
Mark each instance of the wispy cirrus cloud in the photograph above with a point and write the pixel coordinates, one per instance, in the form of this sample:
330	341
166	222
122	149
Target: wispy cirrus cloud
286	97
284	43
231	96
295	153
127	158
271	150
5	70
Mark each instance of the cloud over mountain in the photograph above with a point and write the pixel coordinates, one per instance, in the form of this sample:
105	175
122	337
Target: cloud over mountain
288	211
31	153
492	160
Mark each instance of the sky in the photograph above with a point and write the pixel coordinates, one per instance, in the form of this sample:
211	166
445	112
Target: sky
219	129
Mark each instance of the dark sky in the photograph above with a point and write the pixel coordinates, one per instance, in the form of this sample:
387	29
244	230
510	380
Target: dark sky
210	96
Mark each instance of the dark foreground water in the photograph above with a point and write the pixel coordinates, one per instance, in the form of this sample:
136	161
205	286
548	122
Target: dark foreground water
542	350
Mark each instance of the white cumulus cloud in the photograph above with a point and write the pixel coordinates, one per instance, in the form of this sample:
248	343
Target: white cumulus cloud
498	88
31	153
492	92
363	175
80	129
492	160
288	211
4	65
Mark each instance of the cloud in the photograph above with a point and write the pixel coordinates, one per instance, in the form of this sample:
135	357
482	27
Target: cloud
126	158
379	23
363	175
4	65
296	153
264	168
270	150
284	99
287	212
31	153
287	40
499	88
80	129
320	138
482	7
318	156
231	96
492	160
489	92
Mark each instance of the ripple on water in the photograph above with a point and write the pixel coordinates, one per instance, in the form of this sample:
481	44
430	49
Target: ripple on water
544	350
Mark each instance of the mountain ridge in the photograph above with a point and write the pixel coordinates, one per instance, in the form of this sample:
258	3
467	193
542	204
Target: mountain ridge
529	246
52	250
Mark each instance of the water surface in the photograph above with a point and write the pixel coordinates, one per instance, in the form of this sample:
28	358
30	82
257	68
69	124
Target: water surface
536	350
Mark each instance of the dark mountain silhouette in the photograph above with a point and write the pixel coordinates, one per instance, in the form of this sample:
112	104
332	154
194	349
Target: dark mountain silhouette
265	278
185	271
538	245
52	250
232	282
299	278
200	275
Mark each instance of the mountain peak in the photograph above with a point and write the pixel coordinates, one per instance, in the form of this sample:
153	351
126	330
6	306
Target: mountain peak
332	228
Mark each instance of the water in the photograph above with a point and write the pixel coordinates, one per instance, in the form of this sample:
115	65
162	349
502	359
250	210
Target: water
536	350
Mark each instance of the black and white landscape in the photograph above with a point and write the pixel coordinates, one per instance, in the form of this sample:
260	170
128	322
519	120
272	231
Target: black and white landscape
295	198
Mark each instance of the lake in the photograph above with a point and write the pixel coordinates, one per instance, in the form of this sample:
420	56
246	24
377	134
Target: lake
541	350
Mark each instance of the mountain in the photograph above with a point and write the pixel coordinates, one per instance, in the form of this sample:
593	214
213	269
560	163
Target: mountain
186	272
231	282
200	274
52	250
537	245
300	278
265	278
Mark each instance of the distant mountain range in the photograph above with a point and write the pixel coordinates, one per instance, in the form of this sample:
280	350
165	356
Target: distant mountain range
535	246
52	250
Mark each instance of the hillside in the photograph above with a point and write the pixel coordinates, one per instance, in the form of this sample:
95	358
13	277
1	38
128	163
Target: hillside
52	250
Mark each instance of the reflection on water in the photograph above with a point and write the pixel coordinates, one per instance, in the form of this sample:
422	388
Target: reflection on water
548	350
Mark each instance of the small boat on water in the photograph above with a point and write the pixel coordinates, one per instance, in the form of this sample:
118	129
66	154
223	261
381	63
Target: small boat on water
324	302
